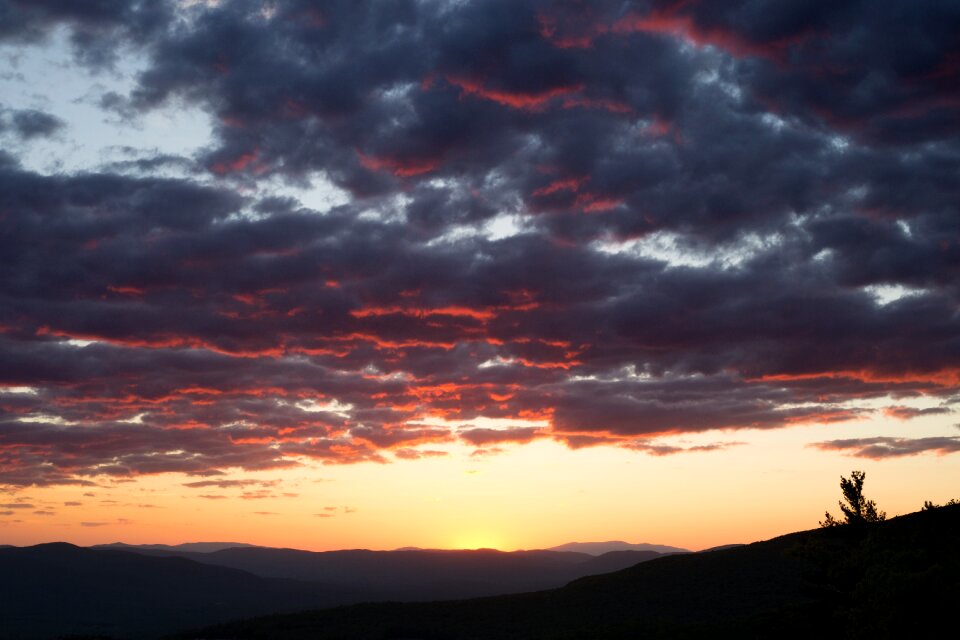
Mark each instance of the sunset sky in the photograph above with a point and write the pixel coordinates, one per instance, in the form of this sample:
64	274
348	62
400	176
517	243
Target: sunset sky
474	273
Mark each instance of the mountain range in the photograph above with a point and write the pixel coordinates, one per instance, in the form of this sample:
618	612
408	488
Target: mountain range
893	579
898	578
599	548
410	574
121	590
197	547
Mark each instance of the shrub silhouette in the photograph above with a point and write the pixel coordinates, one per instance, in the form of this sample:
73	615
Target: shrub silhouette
857	510
928	505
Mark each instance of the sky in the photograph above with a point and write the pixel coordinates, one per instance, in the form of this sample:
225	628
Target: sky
474	273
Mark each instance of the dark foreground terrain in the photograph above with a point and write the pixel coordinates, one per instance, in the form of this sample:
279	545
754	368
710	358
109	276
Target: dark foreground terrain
899	578
53	590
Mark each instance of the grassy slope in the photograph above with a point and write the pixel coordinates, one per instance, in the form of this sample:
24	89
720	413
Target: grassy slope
899	578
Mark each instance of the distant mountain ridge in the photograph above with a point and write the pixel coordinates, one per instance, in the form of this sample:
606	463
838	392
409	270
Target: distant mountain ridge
415	574
599	548
589	548
196	547
57	589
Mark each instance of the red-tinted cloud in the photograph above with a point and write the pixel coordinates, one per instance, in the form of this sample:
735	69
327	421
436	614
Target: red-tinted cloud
451	311
948	377
900	412
527	100
243	162
569	30
675	20
399	168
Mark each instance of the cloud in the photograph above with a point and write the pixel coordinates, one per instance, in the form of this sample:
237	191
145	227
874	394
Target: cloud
417	454
120	521
618	224
228	484
96	28
330	512
900	412
888	447
655	449
29	123
481	436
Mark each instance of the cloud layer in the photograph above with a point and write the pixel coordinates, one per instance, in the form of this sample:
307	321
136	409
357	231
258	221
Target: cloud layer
597	223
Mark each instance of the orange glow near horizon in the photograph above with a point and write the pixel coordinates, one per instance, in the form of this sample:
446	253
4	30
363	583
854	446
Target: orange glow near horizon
535	495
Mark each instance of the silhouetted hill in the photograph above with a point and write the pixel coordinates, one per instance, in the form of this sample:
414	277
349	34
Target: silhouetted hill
55	589
615	561
418	574
197	547
897	579
146	591
720	548
600	548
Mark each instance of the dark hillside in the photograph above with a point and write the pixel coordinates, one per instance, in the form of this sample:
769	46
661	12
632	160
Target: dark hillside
53	589
898	578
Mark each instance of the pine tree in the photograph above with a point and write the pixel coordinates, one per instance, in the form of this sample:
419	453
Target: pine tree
857	510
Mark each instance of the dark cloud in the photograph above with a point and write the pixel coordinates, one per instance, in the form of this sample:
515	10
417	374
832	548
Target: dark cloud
885	447
480	436
908	413
97	27
620	220
29	123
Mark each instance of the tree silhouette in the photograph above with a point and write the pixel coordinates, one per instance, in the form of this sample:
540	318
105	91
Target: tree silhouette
857	510
928	505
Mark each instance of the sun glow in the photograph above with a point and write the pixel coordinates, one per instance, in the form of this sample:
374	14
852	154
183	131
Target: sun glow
478	540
